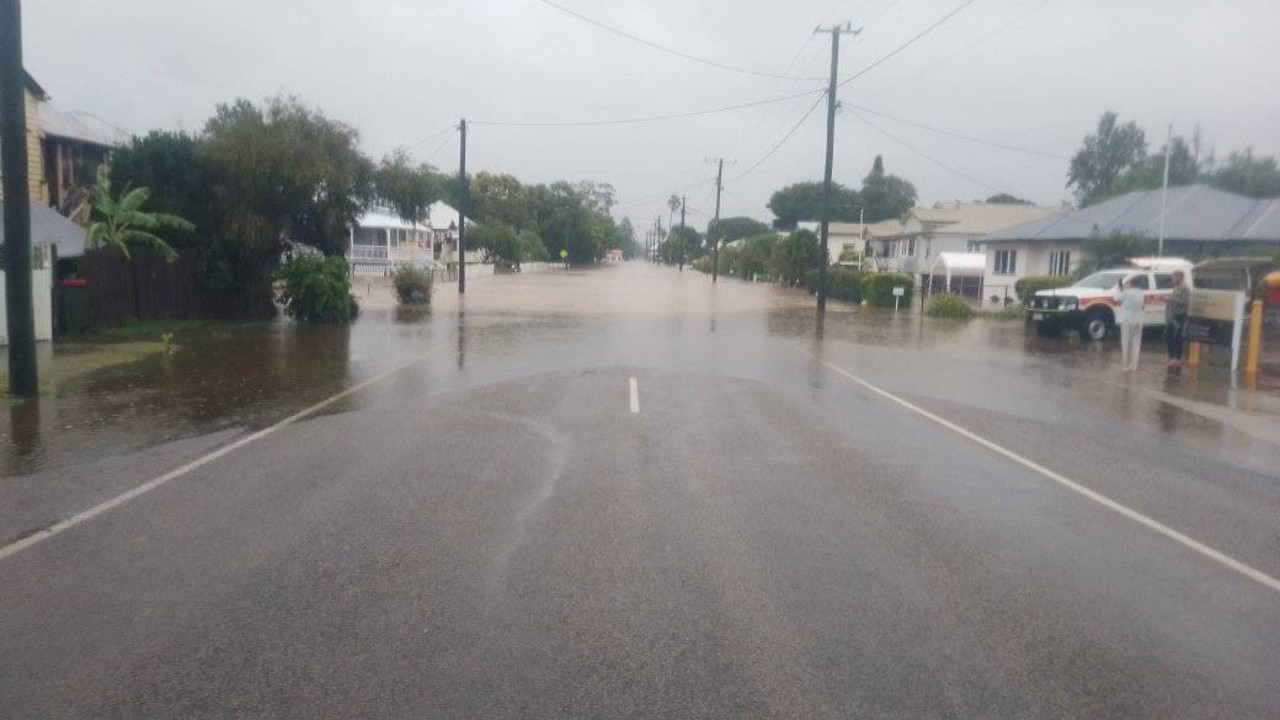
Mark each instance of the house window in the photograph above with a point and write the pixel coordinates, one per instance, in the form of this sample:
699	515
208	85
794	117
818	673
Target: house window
1006	262
973	246
911	247
1060	262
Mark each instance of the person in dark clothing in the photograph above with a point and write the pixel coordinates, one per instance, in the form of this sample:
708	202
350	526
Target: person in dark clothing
1175	318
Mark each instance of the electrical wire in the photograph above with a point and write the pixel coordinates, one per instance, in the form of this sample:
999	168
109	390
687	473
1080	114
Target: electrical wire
884	58
651	118
442	145
958	136
669	50
924	155
781	142
429	138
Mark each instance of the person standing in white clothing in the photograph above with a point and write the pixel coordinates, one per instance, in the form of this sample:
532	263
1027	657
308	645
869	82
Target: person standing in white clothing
1129	316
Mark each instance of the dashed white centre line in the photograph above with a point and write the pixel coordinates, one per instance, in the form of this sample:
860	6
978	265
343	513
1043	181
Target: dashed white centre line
635	397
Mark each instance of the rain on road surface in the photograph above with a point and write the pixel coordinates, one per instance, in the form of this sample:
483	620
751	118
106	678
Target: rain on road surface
626	492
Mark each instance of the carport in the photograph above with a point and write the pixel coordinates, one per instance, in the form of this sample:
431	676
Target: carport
956	272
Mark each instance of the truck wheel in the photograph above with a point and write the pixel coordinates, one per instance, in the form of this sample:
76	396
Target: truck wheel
1096	326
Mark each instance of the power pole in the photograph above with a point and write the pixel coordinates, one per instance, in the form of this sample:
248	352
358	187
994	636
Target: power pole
683	200
836	31
464	192
23	381
715	243
1164	193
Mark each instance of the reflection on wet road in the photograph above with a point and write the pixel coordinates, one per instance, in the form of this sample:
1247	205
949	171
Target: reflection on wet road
490	530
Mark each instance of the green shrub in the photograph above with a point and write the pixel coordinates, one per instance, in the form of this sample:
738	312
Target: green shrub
949	306
413	285
877	288
317	290
842	284
1031	284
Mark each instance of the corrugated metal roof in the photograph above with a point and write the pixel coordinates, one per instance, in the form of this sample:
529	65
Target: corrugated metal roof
980	218
1196	213
47	226
81	126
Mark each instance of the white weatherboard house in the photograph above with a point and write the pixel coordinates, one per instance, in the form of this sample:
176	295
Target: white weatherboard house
949	227
850	236
1199	222
381	240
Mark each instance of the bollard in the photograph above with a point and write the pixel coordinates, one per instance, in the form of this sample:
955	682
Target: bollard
1254	348
1193	354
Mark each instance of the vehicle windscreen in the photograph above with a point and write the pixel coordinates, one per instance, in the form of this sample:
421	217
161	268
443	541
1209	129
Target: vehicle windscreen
1102	280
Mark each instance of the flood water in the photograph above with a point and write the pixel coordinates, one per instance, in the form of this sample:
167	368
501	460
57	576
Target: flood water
243	377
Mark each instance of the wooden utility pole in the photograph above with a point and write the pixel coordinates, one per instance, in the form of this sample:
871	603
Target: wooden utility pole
715	240
464	192
836	31
23	381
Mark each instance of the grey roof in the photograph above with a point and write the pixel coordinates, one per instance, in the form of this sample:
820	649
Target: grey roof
1197	213
81	126
47	226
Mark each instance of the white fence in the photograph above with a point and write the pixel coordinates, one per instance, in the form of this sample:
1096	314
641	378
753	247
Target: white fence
42	298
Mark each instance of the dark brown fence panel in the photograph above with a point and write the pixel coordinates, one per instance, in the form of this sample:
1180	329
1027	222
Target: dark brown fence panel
145	287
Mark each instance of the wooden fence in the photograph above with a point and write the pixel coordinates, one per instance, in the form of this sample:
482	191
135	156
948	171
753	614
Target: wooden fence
145	287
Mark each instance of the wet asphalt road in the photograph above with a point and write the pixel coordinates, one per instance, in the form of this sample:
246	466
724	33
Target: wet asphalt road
490	531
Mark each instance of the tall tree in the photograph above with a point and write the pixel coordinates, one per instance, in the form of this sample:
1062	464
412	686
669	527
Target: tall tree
885	196
407	188
1106	154
728	230
1148	174
803	201
794	256
673	204
1247	174
682	245
500	198
1113	250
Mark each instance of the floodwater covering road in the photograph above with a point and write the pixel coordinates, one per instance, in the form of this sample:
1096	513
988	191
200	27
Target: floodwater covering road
627	492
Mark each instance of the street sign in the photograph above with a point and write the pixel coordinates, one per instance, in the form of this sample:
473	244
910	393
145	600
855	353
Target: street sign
1216	317
899	291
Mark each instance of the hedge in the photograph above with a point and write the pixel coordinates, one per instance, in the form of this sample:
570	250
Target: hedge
1031	284
877	288
842	284
949	306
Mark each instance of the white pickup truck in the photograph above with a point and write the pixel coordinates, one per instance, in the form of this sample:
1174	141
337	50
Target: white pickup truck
1089	306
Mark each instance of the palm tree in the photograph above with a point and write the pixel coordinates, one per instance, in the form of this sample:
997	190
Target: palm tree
673	202
125	224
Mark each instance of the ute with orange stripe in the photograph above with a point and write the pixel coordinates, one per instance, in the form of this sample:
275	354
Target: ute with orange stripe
1088	307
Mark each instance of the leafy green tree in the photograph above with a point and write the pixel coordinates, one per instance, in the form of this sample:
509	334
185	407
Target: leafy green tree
728	230
631	247
885	196
683	245
531	247
499	243
803	201
754	256
174	167
1247	174
1102	252
1107	153
500	198
317	289
408	189
673	204
1007	199
564	222
1148	174
287	171
599	197
795	256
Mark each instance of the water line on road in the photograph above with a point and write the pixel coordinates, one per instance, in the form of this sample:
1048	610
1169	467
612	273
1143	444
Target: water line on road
61	526
1216	555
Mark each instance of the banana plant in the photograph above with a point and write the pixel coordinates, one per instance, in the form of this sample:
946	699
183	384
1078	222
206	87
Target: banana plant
125	224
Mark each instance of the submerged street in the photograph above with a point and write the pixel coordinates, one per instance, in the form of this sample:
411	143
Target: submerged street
627	492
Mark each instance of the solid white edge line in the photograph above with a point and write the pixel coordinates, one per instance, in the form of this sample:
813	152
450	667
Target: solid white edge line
87	515
1216	555
635	397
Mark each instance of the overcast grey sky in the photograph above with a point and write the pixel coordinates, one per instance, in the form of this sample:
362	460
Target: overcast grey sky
1031	73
